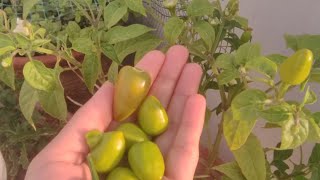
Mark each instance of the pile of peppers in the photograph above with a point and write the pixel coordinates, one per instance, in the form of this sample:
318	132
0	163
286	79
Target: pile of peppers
128	153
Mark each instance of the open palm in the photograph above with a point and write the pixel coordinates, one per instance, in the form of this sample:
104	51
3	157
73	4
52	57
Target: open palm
175	84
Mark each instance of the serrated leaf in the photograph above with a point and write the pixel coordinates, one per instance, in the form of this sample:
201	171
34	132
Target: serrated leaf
228	75
251	159
39	76
27	6
109	51
231	170
27	101
248	104
276	114
206	32
173	29
310	97
200	8
113	72
236	131
247	52
54	102
91	68
7	75
136	6
277	58
262	65
5	40
119	33
83	45
113	13
315	155
225	61
294	133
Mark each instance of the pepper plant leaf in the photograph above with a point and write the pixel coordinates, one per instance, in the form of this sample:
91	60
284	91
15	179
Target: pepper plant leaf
231	170
136	6
247	52
263	65
7	74
28	98
113	13
206	32
91	68
173	29
200	8
251	159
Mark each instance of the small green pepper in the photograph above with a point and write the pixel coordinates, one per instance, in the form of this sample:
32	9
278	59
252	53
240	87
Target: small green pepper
297	67
131	88
93	137
132	133
152	117
121	173
108	152
146	161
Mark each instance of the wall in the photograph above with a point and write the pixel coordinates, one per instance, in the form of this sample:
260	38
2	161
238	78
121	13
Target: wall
271	19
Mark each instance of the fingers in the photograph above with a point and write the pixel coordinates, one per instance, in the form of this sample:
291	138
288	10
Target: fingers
166	81
187	86
183	156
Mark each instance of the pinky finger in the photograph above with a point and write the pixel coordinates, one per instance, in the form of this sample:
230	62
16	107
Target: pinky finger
183	156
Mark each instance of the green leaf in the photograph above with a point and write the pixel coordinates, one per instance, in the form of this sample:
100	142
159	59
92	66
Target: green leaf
91	69
119	33
148	45
206	32
231	170
27	6
251	159
7	75
294	133
109	51
225	61
247	52
173	29
276	114
277	58
113	13
200	8
54	102
316	117
6	50
113	72
23	41
5	40
228	75
27	100
314	130
139	44
262	65
242	21
315	173
198	48
315	155
310	97
38	75
281	155
136	6
73	30
83	45
236	131
247	105
281	166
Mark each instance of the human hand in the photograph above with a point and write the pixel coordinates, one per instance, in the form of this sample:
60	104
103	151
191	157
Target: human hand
175	84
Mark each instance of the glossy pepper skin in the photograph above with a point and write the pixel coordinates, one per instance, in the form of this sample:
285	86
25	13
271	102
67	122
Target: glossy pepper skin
131	88
93	137
121	173
108	152
297	67
132	134
152	117
146	161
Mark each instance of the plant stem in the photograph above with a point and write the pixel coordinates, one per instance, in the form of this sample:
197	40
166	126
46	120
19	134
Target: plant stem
283	89
74	101
273	87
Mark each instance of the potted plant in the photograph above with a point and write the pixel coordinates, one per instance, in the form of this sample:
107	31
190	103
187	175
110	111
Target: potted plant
99	33
219	40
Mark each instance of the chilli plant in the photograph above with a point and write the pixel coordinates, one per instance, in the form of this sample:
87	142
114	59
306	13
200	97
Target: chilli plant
233	68
99	30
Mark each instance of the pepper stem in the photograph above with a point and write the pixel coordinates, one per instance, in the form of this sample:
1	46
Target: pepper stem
283	89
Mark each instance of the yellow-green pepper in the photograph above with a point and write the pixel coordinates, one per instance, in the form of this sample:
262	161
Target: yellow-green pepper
132	134
108	152
297	67
152	117
121	173
146	161
131	88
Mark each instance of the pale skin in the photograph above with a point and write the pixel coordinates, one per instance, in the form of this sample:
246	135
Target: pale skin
175	84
